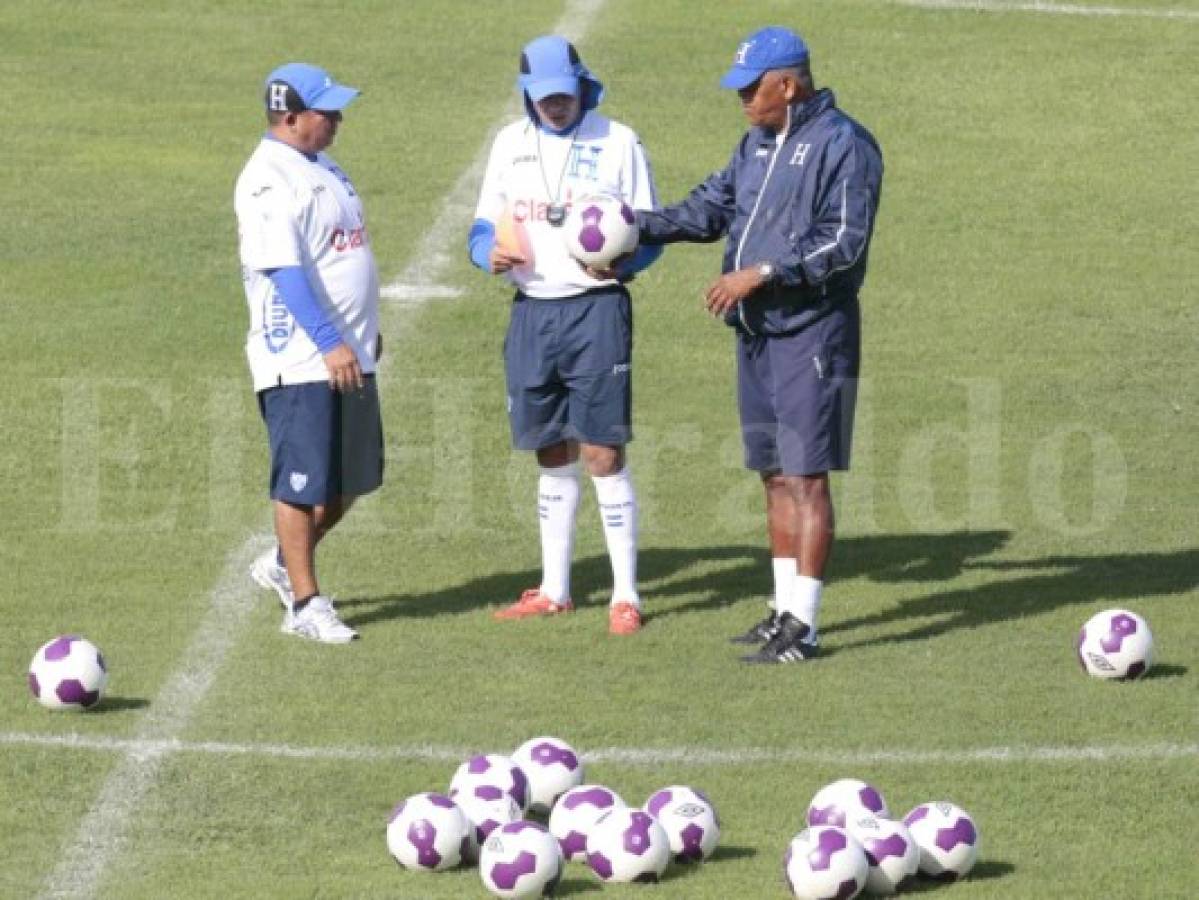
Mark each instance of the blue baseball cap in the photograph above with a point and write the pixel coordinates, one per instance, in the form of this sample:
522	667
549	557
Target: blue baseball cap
296	87
551	65
766	49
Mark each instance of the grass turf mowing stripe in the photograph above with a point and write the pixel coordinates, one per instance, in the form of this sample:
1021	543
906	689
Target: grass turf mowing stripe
142	748
101	835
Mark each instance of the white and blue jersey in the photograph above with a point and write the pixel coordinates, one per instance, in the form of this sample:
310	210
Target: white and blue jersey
296	210
531	168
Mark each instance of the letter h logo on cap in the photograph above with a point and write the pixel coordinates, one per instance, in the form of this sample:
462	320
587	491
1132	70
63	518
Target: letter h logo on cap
277	97
739	58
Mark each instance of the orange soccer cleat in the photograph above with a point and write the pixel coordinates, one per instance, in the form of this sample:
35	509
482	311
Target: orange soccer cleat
533	603
624	618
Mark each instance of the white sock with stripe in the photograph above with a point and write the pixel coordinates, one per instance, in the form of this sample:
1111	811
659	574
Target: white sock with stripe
618	508
557	501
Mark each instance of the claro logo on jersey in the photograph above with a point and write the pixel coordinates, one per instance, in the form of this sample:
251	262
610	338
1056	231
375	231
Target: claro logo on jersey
278	325
342	240
530	209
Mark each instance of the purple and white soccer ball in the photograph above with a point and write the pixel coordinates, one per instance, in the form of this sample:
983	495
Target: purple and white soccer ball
824	862
520	859
599	229
1115	643
428	832
844	800
628	845
485	816
490	776
576	812
891	852
552	768
689	820
68	673
947	838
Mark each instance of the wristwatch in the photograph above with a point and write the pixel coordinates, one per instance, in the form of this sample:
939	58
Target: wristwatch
766	270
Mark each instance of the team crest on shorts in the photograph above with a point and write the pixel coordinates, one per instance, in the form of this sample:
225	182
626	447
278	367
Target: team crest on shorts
298	481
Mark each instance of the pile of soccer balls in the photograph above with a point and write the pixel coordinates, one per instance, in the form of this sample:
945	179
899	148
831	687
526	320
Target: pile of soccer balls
480	819
852	845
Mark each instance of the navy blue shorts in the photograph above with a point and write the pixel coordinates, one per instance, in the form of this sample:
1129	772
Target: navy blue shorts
324	443
797	395
568	369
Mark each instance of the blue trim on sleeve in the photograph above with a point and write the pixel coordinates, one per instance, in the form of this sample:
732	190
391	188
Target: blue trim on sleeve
291	284
480	242
643	257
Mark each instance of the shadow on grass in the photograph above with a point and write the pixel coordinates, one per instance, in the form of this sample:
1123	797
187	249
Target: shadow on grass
717	577
568	887
1166	671
714	577
677	871
1030	587
985	870
112	704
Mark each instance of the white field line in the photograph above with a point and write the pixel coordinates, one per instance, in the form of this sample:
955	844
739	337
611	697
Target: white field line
636	756
1058	9
101	836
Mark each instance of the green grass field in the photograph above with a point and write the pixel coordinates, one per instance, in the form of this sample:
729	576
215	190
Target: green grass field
1024	457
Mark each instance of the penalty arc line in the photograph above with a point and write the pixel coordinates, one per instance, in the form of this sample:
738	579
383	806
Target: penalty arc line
633	756
102	834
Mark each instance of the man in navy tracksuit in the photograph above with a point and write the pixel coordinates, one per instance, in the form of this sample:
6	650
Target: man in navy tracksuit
797	202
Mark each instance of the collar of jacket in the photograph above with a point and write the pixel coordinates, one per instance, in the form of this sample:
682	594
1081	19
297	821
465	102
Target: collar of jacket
804	112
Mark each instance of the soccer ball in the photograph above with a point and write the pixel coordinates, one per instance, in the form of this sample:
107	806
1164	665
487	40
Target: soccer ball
552	768
890	851
843	800
689	820
428	832
947	839
599	229
627	845
824	862
575	813
520	859
1115	643
484	817
489	777
68	673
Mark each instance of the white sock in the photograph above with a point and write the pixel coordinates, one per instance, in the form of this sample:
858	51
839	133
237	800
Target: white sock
785	570
618	508
557	501
807	602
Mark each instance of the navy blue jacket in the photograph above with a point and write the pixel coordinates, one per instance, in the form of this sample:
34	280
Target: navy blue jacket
807	206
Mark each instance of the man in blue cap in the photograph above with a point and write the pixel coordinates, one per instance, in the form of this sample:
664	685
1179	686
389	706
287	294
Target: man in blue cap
568	350
797	203
313	293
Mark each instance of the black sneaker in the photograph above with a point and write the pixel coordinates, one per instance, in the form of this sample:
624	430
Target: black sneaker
759	632
788	644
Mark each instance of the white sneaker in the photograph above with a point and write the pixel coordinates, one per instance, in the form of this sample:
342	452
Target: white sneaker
318	621
267	572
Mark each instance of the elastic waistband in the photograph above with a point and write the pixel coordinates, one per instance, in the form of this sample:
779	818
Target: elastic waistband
585	295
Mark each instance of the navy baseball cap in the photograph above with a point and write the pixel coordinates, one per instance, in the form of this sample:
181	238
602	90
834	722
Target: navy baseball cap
296	87
766	49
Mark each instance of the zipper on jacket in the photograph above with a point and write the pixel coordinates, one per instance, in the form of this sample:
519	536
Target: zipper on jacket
778	147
